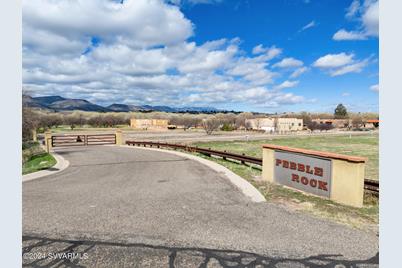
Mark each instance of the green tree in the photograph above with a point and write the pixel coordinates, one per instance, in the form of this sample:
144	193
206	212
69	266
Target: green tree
340	111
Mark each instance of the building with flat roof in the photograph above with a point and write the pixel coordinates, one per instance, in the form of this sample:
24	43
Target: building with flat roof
289	124
149	123
266	124
280	125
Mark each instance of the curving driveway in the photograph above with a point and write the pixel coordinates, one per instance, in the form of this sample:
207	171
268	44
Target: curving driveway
141	208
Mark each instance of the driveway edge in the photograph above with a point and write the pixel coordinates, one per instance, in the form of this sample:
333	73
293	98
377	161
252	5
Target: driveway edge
245	187
61	165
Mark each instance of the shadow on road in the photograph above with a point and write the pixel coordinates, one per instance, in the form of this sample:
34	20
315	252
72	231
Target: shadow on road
46	252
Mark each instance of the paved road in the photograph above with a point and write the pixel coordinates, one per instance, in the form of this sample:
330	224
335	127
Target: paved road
127	207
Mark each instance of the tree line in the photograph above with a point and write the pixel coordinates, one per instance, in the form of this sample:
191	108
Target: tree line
41	120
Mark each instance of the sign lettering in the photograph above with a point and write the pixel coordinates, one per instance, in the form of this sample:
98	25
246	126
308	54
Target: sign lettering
306	173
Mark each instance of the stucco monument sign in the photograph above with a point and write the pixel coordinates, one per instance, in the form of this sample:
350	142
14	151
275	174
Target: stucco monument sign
329	175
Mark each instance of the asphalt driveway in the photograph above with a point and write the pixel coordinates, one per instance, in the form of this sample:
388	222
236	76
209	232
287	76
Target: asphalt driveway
140	208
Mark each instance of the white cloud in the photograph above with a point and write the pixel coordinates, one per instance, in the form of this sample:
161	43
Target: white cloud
375	88
307	26
351	68
141	54
353	9
370	17
367	16
287	84
288	63
340	64
269	52
128	22
333	60
259	49
342	34
299	71
345	94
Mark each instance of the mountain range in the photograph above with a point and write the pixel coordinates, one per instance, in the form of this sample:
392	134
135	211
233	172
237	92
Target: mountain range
58	103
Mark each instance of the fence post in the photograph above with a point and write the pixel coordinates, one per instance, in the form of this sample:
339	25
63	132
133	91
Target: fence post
48	140
119	137
34	137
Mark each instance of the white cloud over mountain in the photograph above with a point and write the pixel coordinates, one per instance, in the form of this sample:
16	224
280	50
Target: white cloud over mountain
139	52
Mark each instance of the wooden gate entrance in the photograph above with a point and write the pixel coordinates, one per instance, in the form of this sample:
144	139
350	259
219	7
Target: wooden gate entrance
82	140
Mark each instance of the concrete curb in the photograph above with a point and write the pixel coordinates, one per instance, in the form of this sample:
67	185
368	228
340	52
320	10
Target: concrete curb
245	187
61	165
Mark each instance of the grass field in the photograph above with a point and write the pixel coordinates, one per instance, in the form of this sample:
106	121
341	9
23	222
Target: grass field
364	145
38	162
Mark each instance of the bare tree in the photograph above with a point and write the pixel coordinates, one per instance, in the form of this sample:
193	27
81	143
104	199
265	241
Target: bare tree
313	125
95	121
357	122
241	119
306	118
325	127
190	121
30	118
48	121
30	122
210	125
72	120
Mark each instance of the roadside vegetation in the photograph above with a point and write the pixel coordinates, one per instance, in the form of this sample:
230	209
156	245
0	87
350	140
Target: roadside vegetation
34	158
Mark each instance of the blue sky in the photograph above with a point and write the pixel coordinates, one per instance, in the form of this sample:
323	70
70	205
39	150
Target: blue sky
267	56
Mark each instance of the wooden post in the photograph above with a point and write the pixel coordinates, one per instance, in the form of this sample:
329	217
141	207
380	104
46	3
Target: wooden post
48	140
34	137
119	137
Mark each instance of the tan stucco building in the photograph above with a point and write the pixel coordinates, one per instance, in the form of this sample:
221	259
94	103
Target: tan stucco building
149	123
280	125
289	124
267	124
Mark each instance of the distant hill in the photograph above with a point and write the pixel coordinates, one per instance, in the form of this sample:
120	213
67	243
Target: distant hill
58	103
32	102
47	100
